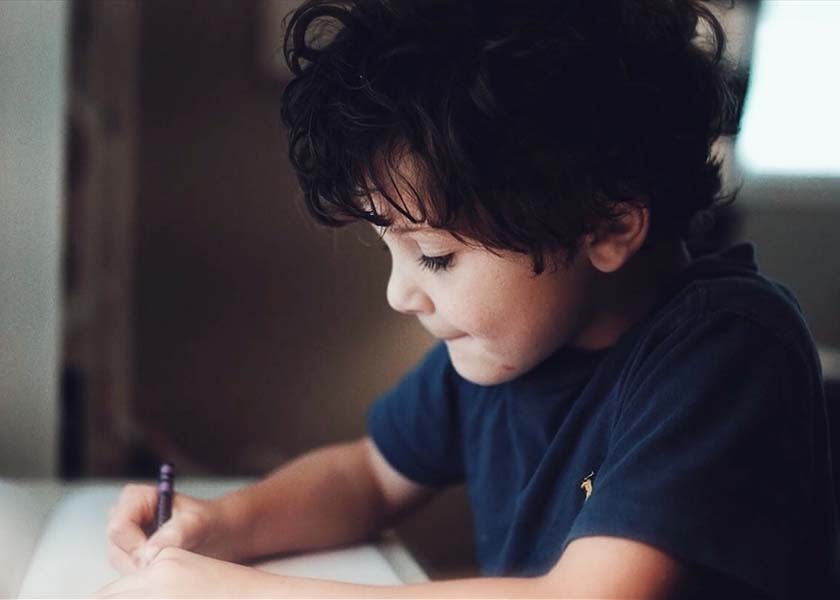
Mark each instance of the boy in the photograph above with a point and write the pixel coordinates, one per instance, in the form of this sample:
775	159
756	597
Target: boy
632	419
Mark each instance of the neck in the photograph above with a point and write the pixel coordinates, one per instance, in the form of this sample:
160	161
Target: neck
629	294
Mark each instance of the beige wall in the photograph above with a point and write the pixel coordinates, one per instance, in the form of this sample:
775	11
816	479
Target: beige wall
794	224
32	51
256	330
259	335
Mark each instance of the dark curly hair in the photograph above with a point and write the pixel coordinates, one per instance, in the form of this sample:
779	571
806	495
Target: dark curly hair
528	123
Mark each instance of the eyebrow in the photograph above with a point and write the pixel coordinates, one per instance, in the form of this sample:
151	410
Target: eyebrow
405	228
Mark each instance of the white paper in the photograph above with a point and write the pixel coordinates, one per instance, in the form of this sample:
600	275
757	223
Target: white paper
70	559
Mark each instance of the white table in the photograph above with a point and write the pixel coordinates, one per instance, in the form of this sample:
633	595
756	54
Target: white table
53	543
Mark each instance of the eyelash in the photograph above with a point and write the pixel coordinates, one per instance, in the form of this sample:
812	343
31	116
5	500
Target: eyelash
432	263
436	263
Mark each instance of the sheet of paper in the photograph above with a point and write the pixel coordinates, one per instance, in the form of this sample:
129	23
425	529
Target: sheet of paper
70	559
24	507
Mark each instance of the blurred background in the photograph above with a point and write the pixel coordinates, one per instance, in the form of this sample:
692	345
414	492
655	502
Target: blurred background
163	294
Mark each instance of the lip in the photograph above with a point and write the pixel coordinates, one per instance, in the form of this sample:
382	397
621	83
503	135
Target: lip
447	338
440	335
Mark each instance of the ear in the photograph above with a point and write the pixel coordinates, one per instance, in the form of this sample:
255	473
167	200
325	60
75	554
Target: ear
615	242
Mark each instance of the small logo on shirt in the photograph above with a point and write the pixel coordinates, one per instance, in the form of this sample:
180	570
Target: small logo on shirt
586	485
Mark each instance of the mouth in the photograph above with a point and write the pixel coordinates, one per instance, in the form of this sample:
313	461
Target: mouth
442	336
446	337
454	337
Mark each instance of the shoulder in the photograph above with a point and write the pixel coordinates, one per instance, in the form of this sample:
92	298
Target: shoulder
750	302
740	318
768	304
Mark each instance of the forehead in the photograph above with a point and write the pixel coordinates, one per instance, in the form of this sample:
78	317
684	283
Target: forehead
397	190
396	194
405	227
400	224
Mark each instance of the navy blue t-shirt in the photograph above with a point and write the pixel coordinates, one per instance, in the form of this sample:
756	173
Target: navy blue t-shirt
701	432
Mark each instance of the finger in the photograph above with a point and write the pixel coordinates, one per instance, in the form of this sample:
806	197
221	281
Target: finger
171	534
121	560
126	536
135	507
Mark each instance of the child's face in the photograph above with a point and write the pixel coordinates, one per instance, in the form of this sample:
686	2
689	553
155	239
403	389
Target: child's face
497	318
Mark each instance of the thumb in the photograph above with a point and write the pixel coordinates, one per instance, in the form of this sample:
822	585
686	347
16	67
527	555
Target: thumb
168	535
147	554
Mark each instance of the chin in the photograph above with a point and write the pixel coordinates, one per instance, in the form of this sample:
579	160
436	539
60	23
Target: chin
481	372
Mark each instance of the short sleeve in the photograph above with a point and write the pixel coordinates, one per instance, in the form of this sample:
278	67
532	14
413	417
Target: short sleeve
709	457
416	426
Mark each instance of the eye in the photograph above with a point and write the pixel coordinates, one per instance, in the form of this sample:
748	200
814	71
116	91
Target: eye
436	263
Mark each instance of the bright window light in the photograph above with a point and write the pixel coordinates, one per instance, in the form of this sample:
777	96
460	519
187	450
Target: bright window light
791	122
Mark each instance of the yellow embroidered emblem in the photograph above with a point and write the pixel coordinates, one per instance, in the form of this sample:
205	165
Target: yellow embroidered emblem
586	485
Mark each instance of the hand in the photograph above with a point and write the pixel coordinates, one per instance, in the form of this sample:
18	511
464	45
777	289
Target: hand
196	525
177	573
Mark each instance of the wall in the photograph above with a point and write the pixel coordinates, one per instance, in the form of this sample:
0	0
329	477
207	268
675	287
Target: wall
794	224
255	328
258	334
32	51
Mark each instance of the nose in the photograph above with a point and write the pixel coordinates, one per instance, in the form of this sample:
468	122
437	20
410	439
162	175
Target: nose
405	296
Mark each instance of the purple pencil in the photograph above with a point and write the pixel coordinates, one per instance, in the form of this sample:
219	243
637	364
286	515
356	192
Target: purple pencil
166	491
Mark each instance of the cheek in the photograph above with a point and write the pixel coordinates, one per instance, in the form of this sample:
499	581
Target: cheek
489	310
525	316
478	310
508	309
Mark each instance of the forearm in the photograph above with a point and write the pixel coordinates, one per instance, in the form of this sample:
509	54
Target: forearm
178	573
324	498
489	587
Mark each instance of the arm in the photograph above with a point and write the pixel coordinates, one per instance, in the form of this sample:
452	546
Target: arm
332	496
374	494
596	567
278	520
